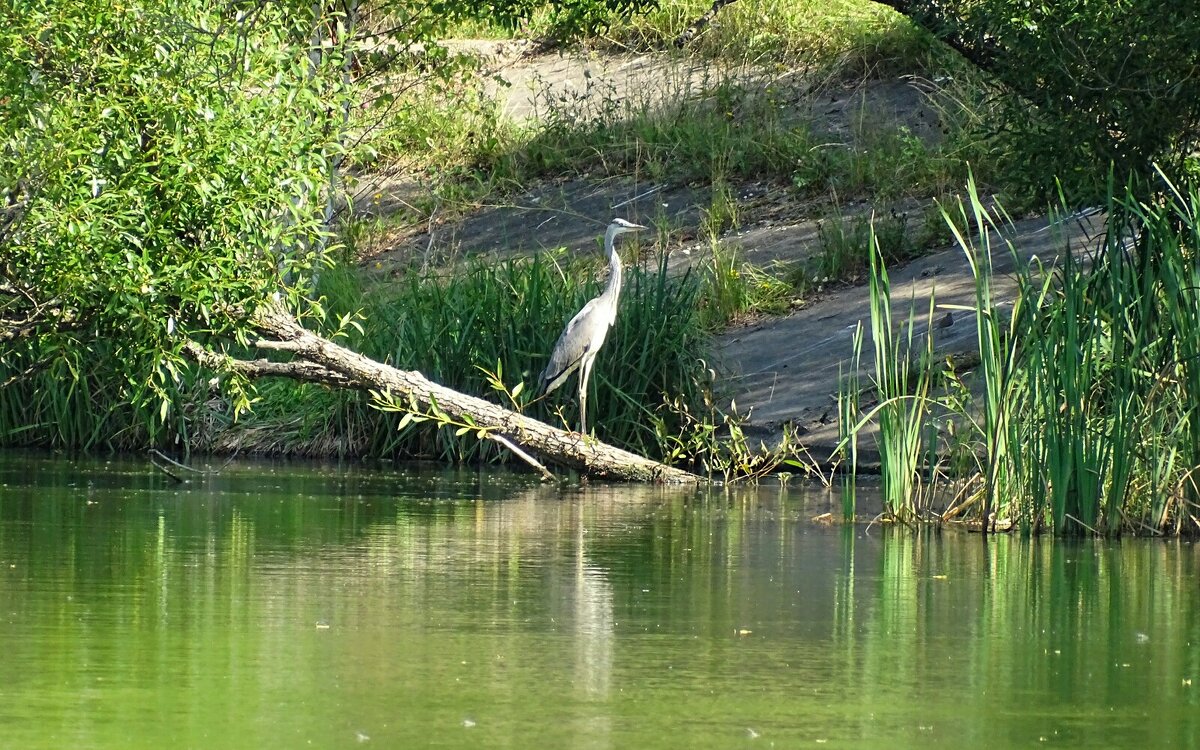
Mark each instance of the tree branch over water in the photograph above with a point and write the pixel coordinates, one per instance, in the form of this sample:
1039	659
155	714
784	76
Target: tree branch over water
319	360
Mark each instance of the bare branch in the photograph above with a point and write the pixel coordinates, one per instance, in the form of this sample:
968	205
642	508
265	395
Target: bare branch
523	456
260	368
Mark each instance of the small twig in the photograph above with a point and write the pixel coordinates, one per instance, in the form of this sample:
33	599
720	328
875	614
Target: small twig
165	470
521	454
958	505
1134	521
638	197
173	462
1081	523
867	531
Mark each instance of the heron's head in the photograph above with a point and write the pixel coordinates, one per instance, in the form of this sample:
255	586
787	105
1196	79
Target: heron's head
620	226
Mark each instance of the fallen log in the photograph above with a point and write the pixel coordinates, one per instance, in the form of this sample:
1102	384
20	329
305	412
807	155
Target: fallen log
317	359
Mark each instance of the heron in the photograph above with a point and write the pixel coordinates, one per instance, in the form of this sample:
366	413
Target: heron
581	340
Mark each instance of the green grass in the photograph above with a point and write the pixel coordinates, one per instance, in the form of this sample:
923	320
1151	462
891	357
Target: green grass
850	37
725	130
732	290
720	130
746	118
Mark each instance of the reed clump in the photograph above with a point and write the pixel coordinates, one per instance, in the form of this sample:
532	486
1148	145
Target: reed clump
1085	415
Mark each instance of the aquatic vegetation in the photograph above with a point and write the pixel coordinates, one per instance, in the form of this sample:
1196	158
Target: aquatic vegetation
904	396
1085	418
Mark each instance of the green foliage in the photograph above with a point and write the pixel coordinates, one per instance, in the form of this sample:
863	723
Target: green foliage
164	166
563	19
157	175
903	396
849	401
733	289
1087	414
1090	84
713	443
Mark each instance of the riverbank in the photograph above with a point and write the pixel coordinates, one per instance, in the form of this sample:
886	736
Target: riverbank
826	234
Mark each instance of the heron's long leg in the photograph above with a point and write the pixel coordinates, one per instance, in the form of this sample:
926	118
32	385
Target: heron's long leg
585	372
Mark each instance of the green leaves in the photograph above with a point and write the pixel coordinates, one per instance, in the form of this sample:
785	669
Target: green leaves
1091	84
171	161
157	184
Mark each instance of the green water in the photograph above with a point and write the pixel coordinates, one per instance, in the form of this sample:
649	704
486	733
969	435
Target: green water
293	606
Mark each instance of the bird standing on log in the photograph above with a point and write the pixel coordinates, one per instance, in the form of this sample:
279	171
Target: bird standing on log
584	335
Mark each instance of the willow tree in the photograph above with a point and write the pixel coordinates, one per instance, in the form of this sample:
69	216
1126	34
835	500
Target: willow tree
161	164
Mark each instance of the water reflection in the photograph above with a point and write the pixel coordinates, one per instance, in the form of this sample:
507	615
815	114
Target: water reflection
282	605
593	623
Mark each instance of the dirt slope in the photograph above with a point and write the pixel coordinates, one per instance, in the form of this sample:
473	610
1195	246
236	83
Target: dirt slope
780	370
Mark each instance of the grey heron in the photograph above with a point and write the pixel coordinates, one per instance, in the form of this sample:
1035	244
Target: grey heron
581	340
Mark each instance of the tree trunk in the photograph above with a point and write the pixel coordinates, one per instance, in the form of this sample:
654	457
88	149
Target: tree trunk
695	27
317	359
934	17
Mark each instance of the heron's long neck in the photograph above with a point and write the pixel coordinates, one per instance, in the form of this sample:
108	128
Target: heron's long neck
613	289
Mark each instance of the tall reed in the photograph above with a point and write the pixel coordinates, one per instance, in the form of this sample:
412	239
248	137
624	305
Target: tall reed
849	410
1002	445
85	398
1086	412
1091	392
902	383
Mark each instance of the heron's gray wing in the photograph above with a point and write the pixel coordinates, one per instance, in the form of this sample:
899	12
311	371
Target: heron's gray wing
572	345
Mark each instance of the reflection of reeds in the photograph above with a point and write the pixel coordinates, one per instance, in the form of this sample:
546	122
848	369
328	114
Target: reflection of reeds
520	609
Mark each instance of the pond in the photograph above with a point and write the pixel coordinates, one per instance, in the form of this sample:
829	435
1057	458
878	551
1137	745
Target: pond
296	605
